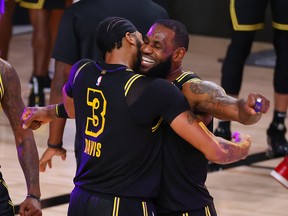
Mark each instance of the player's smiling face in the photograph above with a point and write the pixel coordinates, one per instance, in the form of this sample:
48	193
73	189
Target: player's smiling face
158	46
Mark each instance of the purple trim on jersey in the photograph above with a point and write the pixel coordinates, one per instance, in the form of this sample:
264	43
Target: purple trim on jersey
2	7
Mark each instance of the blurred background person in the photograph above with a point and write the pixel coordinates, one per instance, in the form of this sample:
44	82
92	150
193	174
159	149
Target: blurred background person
247	18
43	21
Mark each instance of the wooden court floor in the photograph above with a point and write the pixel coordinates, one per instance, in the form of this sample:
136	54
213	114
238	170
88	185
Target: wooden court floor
240	191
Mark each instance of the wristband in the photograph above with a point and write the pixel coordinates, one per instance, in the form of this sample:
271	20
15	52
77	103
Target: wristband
33	197
55	146
60	111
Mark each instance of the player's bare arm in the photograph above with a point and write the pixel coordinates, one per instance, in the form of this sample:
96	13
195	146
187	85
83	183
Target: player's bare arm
56	127
13	106
214	148
208	97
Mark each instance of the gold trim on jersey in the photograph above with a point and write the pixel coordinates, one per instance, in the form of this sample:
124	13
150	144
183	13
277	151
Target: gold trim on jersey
11	203
207	211
242	27
154	128
4	184
184	75
1	87
38	4
116	206
79	69
145	209
127	87
130	82
279	26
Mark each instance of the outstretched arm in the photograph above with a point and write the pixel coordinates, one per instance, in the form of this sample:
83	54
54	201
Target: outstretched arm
208	97
13	106
34	117
215	149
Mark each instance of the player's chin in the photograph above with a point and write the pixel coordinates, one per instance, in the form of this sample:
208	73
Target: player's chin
144	70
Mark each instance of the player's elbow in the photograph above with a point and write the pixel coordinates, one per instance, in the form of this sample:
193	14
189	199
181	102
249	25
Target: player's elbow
217	156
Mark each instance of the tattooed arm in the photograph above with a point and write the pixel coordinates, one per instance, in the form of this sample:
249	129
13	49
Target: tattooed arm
13	106
215	149
211	98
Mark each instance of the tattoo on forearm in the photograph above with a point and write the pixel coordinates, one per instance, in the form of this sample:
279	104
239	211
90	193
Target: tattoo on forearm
213	99
234	152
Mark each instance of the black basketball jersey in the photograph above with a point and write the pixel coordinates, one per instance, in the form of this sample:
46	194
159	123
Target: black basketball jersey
184	170
77	29
118	137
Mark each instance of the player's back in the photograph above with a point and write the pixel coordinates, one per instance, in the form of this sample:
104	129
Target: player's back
116	154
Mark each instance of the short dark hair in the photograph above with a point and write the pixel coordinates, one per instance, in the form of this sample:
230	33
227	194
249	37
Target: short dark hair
181	38
111	31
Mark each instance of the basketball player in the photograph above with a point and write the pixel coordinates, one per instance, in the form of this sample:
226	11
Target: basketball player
183	190
12	104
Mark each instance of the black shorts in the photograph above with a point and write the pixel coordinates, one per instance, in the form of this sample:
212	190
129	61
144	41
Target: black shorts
91	204
249	15
6	205
206	211
42	4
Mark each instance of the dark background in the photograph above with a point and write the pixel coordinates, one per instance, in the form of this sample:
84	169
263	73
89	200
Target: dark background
209	17
203	17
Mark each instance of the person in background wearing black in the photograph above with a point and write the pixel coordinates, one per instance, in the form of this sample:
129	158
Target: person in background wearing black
247	18
44	23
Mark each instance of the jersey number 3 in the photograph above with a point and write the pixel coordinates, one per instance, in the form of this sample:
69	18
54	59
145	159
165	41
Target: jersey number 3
95	123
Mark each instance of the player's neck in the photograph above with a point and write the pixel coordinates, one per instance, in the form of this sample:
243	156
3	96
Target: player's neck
117	56
175	72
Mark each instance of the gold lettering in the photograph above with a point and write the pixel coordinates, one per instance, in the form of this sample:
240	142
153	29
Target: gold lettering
92	148
98	153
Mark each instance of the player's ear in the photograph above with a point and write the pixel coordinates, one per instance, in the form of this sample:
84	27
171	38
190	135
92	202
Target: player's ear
179	54
130	38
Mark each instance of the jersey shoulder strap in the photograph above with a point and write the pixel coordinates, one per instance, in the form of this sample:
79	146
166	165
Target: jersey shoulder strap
184	78
130	81
80	65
